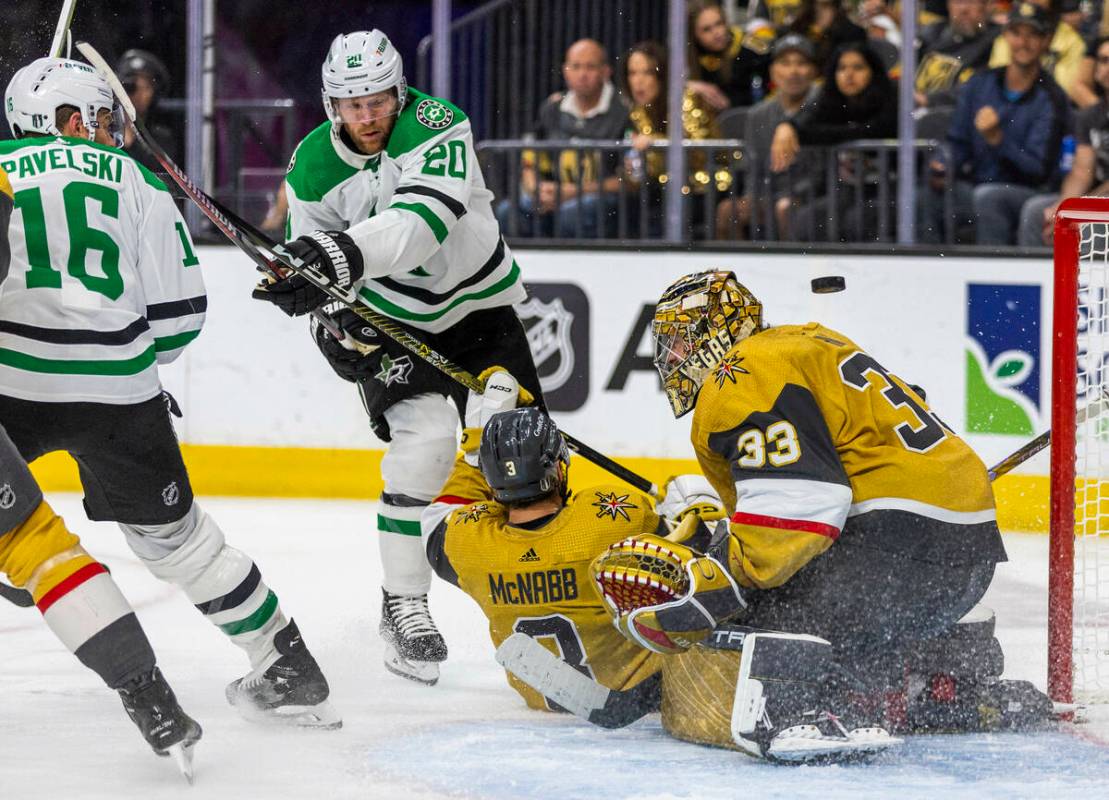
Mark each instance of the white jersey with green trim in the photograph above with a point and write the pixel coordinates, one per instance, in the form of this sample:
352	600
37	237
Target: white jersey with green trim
104	281
419	211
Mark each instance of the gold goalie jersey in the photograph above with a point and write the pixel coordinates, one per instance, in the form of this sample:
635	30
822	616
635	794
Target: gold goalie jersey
534	579
810	440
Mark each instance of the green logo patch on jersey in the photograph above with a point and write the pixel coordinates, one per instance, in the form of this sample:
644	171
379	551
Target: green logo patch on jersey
434	115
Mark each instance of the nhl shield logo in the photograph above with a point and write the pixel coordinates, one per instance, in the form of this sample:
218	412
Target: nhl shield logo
548	326
171	494
7	496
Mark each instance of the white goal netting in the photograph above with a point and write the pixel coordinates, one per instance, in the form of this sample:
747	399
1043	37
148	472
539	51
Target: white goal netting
1090	651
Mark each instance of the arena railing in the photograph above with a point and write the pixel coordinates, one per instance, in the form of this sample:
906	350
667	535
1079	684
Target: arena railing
831	194
507	55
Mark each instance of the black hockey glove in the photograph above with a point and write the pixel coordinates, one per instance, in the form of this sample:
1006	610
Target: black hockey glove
331	253
349	364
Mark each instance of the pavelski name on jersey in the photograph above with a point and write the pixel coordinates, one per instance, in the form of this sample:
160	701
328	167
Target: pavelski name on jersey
96	164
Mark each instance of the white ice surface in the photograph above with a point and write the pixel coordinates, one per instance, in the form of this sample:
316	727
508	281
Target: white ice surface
64	735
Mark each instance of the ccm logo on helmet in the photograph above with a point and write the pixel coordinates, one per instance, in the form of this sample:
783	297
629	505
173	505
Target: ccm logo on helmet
337	256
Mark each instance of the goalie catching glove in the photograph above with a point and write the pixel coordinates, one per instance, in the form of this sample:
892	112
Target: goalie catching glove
333	254
662	594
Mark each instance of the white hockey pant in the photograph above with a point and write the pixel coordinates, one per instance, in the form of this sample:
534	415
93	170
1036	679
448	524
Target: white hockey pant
424	443
224	583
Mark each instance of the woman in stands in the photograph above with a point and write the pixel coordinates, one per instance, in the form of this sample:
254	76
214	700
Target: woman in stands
727	67
644	73
857	101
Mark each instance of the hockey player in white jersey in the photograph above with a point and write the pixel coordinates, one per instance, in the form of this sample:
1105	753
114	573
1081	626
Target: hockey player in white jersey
104	286
393	179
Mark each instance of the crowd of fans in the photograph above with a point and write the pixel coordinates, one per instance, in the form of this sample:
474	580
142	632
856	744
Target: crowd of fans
1016	93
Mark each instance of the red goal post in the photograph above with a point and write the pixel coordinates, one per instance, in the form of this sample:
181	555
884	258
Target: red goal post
1078	580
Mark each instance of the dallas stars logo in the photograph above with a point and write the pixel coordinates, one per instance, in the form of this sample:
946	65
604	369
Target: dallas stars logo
727	369
434	114
394	370
610	504
473	513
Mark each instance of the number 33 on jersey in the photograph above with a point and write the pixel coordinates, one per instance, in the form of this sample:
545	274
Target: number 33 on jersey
800	431
104	282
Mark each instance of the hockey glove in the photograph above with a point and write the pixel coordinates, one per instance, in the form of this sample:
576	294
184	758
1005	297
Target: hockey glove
347	357
663	595
502	393
690	494
333	254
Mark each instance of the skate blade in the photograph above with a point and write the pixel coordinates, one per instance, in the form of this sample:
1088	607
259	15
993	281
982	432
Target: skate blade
425	672
183	757
828	750
322	715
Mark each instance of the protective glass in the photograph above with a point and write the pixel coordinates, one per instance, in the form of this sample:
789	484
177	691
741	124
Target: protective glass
112	119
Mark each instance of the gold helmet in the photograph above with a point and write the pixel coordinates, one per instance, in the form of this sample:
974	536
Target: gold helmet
698	319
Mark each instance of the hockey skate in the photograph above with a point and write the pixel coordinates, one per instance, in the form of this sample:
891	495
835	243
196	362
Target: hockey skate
289	691
150	703
787	711
413	645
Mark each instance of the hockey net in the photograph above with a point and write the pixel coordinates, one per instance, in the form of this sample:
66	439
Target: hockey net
1078	605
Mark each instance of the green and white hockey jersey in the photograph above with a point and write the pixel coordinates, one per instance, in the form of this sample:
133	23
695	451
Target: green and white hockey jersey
104	282
419	212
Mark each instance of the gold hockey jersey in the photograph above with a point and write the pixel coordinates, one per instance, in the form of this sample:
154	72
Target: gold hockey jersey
535	579
808	439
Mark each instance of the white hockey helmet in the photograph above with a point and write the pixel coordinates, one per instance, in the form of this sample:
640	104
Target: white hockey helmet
37	91
359	64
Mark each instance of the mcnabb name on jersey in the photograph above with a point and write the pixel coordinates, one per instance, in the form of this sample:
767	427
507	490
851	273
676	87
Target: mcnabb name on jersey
534	588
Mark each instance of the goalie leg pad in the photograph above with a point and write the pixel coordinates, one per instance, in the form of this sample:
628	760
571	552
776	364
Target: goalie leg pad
224	583
784	710
414	469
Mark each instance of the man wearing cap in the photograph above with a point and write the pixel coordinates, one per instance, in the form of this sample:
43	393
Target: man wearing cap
953	50
1004	139
1063	57
793	71
146	79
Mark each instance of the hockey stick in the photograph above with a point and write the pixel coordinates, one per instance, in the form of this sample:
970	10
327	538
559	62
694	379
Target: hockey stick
575	691
20	597
250	244
1092	411
61	32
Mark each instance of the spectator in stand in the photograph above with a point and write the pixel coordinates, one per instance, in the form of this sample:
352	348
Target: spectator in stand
727	67
146	80
793	74
857	101
588	109
883	33
1005	139
644	84
767	17
1090	173
952	51
826	24
1063	57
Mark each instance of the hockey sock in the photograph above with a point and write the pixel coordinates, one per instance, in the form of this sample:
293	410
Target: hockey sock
77	597
404	563
224	583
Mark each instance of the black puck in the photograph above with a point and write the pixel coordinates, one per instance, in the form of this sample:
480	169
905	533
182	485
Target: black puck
828	284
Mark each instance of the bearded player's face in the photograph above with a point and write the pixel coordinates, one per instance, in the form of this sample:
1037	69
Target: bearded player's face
368	120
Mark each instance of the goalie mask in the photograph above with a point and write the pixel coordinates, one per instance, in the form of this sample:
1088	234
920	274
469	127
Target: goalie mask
39	89
361	64
698	319
523	456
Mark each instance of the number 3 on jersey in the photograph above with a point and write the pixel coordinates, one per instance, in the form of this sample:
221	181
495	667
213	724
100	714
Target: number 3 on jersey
928	431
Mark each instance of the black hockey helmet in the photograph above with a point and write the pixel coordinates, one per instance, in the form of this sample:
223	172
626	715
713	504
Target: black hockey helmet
135	62
523	455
